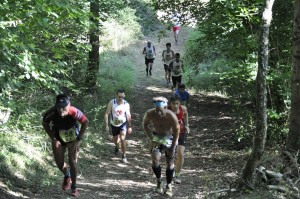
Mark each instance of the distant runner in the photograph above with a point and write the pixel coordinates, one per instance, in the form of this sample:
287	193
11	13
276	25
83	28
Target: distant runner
163	138
183	94
167	56
60	123
149	51
177	69
176	25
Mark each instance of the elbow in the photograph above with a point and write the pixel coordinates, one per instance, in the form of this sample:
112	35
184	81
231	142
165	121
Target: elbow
86	122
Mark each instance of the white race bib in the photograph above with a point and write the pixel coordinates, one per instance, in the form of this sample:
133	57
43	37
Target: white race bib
68	135
166	141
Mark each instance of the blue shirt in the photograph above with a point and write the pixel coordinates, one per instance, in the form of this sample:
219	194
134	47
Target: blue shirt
184	96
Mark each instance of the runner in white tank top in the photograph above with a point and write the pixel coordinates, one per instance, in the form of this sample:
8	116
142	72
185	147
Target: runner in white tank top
177	69
120	121
167	56
149	51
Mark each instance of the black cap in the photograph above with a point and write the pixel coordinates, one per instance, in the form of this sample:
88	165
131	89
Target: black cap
62	101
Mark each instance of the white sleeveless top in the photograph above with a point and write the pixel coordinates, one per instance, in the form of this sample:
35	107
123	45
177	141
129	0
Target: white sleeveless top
168	57
149	52
176	70
119	113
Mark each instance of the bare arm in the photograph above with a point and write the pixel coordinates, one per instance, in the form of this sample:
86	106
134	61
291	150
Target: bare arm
176	130
128	115
47	128
182	67
146	122
144	50
186	119
107	112
84	126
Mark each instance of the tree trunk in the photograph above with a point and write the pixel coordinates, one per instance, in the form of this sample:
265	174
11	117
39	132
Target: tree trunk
261	102
93	63
292	142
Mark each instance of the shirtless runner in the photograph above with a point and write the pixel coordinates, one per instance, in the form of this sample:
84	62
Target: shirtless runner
163	137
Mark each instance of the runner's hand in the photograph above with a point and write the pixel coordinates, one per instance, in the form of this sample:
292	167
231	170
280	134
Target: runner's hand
129	130
187	129
107	128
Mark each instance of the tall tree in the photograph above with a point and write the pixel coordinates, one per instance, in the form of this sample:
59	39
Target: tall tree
261	97
292	142
93	63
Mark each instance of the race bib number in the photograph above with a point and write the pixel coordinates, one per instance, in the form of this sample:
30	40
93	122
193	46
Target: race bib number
168	57
68	135
166	141
150	54
176	72
117	121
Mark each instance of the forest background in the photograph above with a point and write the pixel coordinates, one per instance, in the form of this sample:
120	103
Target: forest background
45	51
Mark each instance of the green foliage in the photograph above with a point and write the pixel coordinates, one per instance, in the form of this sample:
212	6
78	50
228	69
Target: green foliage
146	15
40	44
117	72
121	31
19	153
45	49
222	52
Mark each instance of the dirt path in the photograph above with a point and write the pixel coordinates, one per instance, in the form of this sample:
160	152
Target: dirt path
209	164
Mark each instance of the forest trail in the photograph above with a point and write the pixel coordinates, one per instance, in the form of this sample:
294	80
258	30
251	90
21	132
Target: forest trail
210	163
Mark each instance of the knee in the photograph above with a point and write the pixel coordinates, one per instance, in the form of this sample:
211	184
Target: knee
180	156
60	165
122	137
155	162
73	161
170	166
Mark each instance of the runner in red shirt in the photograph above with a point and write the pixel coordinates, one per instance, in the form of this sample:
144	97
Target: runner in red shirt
182	116
61	124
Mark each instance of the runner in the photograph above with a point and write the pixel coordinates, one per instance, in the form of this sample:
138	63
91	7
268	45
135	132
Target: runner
149	51
183	94
182	116
167	56
60	123
176	25
120	117
177	69
163	138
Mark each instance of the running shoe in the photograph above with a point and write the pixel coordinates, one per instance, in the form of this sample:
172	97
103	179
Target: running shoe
66	184
168	191
75	192
158	188
177	180
124	160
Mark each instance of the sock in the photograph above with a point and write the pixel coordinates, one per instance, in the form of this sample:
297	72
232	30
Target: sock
157	171
177	174
169	175
73	186
68	174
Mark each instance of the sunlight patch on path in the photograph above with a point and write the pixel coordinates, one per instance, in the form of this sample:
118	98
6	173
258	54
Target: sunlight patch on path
158	89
